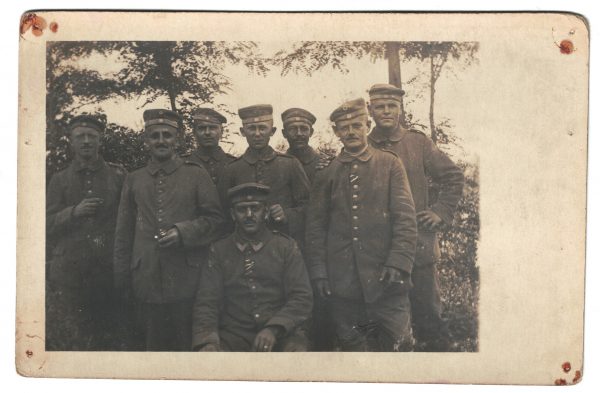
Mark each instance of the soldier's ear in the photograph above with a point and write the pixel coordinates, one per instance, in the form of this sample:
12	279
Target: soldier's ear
232	214
311	130
369	124
273	129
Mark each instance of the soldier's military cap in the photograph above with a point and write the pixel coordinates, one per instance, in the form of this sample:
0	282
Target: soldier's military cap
208	115
385	91
349	110
161	116
256	113
248	192
297	114
89	121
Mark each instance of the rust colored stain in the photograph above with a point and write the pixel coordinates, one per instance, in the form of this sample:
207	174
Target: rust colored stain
566	366
29	353
566	47
36	23
560	382
577	376
54	27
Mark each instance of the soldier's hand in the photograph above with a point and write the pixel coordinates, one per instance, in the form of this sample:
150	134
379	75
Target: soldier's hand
322	287
170	238
391	274
87	207
428	219
209	348
265	340
323	162
277	214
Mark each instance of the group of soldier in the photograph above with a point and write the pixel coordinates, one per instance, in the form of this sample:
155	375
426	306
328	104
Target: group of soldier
264	252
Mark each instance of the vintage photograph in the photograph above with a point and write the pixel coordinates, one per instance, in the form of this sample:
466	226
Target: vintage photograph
193	206
368	197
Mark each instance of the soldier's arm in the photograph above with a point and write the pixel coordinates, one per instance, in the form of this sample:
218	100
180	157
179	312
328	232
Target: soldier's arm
317	221
448	175
205	312
209	222
403	219
59	216
300	193
124	235
298	292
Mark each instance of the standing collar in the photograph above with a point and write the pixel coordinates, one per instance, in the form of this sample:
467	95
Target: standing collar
305	156
217	154
257	244
365	156
168	166
93	166
379	136
252	157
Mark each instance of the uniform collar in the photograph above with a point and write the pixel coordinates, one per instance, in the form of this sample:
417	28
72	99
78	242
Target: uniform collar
168	166
257	244
379	136
252	157
216	154
305	155
93	166
364	156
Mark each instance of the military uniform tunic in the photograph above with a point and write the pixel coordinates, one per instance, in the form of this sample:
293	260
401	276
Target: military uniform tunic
157	197
283	173
213	161
309	159
246	287
79	270
422	159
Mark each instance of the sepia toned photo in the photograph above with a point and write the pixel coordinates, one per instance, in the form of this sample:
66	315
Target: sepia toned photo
288	191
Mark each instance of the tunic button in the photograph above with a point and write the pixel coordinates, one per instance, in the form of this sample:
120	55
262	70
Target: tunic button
160	182
354	166
355	228
160	220
355	217
160	191
354	196
253	287
354	207
355	186
89	191
355	239
160	210
256	316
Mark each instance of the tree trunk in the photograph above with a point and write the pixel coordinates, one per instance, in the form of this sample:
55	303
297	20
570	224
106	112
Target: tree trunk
394	72
432	81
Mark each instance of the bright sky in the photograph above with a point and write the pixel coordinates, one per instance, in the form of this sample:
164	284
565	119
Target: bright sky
322	93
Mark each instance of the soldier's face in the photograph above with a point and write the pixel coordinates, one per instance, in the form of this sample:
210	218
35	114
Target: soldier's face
297	134
162	141
208	134
249	216
258	134
353	133
85	142
385	112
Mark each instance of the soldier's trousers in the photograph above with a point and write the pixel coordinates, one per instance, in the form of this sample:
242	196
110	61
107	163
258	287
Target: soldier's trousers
167	327
426	307
383	325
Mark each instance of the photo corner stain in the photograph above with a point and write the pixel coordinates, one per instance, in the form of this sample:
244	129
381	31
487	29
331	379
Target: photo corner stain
37	24
565	46
566	368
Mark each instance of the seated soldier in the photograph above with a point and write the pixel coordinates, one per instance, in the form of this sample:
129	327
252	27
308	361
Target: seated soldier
254	292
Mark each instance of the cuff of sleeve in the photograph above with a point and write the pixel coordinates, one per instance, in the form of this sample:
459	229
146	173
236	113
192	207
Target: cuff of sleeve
444	213
188	233
401	263
317	271
286	323
203	338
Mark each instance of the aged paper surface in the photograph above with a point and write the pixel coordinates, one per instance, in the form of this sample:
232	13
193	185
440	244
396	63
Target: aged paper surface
525	107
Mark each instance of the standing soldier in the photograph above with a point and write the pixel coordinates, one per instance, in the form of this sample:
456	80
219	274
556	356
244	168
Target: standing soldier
360	239
254	292
261	164
208	129
81	212
421	158
168	215
297	129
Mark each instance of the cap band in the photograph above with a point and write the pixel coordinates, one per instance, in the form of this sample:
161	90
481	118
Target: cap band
162	122
384	96
257	119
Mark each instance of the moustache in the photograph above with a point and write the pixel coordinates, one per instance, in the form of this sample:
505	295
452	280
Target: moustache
161	145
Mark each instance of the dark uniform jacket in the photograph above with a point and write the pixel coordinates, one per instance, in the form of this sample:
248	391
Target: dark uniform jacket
246	287
283	173
309	159
422	158
161	196
361	217
79	243
214	162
